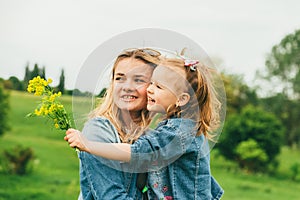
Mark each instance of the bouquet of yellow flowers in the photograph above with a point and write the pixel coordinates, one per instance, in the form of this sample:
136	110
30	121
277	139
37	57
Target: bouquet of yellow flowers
49	106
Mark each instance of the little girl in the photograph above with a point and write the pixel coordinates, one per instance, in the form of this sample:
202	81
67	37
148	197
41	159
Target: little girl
176	152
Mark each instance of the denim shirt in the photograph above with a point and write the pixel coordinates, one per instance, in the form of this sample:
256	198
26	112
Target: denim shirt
102	179
178	162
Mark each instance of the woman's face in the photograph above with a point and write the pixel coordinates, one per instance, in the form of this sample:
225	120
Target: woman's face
131	79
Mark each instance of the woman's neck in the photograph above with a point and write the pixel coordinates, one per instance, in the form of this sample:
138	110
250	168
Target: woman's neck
130	118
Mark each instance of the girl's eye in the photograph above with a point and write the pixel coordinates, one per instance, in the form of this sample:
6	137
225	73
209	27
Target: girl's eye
158	86
155	84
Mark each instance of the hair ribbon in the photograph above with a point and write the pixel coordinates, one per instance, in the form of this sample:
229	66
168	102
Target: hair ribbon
191	64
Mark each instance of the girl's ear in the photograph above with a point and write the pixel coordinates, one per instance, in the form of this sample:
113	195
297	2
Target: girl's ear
183	99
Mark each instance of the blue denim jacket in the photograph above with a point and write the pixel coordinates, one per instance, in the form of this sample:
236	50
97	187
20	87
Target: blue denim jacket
100	179
178	162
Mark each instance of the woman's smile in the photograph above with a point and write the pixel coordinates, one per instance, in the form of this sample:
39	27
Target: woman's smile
128	98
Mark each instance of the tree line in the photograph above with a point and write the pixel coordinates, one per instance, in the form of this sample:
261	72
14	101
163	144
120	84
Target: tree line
256	127
14	83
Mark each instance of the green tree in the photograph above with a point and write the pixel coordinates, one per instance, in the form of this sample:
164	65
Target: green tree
102	93
30	74
4	108
27	76
283	65
283	73
288	111
7	84
35	72
253	123
238	94
43	73
16	83
61	85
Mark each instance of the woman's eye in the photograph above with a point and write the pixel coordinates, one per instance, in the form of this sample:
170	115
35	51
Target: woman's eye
140	81
119	78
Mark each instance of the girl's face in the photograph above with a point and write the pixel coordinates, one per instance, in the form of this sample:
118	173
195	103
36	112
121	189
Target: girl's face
166	86
131	79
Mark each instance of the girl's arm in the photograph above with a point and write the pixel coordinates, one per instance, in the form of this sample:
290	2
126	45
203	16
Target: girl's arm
112	151
163	145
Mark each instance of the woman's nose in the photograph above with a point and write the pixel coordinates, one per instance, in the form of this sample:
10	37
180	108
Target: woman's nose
128	86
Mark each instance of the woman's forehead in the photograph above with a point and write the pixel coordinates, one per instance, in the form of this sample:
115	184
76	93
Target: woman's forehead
133	66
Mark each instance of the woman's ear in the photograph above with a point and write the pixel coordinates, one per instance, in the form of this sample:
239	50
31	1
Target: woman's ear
183	99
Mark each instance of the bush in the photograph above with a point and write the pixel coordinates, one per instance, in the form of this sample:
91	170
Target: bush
252	124
18	159
250	156
295	169
4	108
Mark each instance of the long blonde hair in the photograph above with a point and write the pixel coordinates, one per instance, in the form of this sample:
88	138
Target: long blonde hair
203	97
110	110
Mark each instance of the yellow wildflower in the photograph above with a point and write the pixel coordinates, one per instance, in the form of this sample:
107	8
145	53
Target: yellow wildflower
56	125
37	112
50	107
52	98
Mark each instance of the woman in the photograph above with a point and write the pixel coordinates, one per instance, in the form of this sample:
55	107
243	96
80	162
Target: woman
183	93
123	111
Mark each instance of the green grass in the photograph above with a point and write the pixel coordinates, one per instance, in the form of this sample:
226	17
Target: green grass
239	184
55	169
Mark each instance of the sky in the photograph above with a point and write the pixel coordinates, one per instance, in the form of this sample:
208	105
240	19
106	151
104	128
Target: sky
62	34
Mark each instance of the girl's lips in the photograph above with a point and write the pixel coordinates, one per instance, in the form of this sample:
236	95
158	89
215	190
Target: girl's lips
151	101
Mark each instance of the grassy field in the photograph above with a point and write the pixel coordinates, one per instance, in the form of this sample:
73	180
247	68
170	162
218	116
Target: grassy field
55	169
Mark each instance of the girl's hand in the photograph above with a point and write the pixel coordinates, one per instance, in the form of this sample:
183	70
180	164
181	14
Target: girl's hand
76	139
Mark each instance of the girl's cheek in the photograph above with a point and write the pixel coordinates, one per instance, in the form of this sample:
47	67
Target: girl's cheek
143	90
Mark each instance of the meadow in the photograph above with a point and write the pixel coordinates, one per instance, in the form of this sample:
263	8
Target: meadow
55	175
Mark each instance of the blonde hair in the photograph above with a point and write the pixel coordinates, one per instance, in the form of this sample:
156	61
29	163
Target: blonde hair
203	97
110	110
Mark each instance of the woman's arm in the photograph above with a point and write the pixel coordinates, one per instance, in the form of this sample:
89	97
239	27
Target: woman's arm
112	151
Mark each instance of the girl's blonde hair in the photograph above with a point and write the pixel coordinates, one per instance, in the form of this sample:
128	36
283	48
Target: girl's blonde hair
110	110
203	97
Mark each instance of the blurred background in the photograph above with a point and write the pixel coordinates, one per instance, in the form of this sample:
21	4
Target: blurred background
254	44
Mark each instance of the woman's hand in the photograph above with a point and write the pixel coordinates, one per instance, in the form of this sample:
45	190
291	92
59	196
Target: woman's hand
76	139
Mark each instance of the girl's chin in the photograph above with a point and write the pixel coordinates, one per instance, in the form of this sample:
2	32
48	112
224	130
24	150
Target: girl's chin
149	107
155	109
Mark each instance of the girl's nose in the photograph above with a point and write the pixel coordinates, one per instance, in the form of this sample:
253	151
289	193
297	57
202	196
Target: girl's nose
150	89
